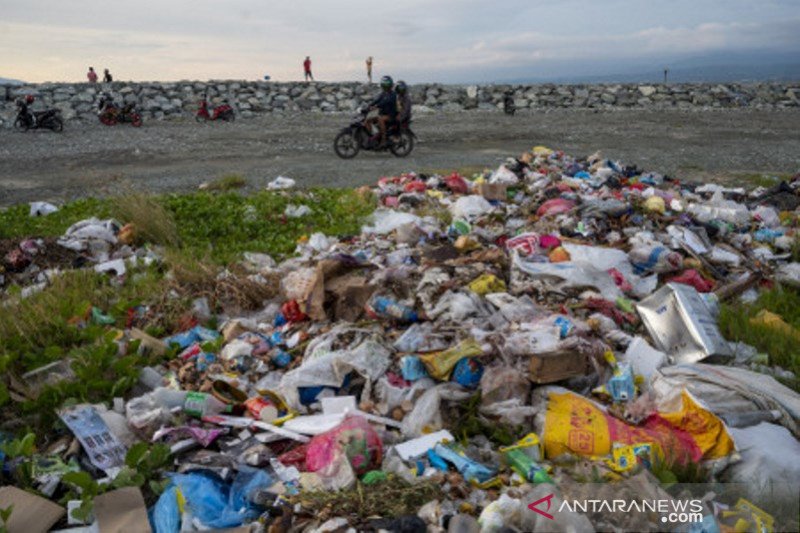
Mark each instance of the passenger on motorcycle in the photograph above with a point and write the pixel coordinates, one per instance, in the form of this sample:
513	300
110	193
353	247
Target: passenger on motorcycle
403	103
386	105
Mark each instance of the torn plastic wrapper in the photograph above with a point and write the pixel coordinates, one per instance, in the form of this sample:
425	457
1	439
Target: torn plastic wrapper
105	451
681	324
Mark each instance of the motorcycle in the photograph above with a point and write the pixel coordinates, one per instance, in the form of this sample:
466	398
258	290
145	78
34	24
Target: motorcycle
111	114
509	107
356	137
221	112
32	120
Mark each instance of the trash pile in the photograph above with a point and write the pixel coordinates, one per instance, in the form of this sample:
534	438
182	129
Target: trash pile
104	245
482	344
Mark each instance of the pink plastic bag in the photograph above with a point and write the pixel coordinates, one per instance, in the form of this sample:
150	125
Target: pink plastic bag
556	206
693	278
354	438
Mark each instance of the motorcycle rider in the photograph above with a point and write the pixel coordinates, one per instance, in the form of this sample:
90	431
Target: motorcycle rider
403	103
386	104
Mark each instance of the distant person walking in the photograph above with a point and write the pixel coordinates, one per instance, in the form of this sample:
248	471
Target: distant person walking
369	69
107	76
91	75
307	69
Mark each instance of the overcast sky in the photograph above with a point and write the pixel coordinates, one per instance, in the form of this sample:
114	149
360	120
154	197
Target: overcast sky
419	40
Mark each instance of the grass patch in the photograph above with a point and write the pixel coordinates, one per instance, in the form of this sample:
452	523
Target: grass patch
55	325
760	179
217	226
783	349
229	182
391	498
16	221
149	217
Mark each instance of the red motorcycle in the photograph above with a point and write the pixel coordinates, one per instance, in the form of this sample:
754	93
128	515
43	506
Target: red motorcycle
221	112
111	113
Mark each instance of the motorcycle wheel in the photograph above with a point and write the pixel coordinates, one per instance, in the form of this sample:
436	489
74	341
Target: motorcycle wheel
136	120
403	144
346	145
20	124
56	124
108	119
230	116
198	118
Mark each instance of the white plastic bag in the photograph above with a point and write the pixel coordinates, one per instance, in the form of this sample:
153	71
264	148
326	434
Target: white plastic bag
40	209
281	182
387	220
470	207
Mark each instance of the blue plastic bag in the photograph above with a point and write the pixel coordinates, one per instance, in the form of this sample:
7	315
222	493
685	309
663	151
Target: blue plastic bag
217	504
165	516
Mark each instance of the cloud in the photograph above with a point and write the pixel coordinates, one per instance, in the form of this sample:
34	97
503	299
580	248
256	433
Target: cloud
443	40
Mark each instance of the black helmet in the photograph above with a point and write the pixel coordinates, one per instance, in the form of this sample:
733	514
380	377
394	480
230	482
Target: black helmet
387	82
401	87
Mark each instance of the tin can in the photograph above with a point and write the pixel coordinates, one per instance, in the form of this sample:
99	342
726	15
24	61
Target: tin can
262	409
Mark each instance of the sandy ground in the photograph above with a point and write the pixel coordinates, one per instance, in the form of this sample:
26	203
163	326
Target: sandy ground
92	159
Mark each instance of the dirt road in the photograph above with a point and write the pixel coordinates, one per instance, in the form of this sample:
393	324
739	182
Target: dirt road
91	159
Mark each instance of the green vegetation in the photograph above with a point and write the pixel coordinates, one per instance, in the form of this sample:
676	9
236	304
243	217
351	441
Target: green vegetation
199	234
391	498
782	348
228	182
215	226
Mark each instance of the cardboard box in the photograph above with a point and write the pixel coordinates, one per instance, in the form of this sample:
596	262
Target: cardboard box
493	191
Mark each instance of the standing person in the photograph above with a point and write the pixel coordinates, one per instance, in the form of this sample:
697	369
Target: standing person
91	75
107	76
307	69
369	69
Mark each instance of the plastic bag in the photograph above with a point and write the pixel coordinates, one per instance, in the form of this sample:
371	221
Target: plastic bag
166	515
40	209
354	439
683	428
693	278
470	207
426	417
555	206
296	211
387	220
281	182
216	504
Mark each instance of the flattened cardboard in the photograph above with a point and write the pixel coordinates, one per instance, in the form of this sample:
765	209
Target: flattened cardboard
32	513
554	367
122	510
493	191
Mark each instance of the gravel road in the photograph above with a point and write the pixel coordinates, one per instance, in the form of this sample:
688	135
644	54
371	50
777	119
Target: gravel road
92	159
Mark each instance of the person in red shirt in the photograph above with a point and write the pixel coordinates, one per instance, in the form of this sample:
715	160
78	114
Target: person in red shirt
91	75
307	69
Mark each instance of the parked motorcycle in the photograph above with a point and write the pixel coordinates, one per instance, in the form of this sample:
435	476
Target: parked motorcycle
32	120
509	107
220	112
111	113
356	137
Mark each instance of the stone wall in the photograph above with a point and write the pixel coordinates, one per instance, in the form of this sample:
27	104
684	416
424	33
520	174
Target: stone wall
250	98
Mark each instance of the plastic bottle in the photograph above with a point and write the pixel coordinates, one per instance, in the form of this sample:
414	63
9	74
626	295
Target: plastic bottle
646	259
525	466
388	308
201	404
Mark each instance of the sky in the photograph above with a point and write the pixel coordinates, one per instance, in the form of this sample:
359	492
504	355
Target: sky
453	41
